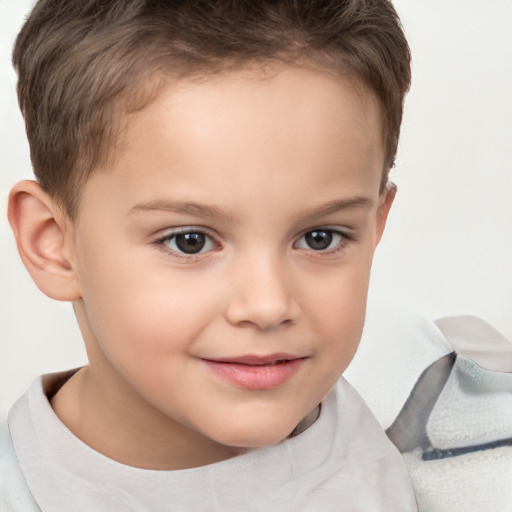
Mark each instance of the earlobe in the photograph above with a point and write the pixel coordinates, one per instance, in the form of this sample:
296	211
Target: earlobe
387	198
42	237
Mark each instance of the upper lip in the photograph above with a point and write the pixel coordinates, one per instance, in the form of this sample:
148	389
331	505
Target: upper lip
256	360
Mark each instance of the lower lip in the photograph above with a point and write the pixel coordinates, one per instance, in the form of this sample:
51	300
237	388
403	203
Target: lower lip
254	376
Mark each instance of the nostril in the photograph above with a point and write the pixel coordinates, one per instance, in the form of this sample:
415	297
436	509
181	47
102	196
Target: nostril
262	317
262	296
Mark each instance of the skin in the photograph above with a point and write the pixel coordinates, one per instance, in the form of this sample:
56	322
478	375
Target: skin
265	158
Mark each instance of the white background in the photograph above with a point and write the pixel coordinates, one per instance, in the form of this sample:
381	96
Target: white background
448	247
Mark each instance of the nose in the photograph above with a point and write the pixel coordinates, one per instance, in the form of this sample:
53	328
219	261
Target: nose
263	295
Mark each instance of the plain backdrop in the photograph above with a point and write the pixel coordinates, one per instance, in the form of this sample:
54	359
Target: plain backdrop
448	246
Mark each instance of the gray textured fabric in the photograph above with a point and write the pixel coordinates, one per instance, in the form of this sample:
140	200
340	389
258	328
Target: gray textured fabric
468	466
455	429
444	391
14	493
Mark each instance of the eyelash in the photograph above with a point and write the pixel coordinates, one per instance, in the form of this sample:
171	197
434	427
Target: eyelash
160	242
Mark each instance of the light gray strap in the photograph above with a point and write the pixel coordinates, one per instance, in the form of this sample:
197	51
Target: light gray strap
475	339
409	430
15	495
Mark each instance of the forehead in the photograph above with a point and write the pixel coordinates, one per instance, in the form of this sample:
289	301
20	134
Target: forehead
307	89
250	127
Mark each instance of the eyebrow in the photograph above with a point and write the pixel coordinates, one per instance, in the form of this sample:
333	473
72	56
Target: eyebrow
203	210
361	202
185	208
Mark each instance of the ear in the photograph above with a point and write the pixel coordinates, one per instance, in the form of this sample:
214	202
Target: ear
44	240
386	201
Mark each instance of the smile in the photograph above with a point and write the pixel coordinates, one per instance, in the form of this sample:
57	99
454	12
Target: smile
256	372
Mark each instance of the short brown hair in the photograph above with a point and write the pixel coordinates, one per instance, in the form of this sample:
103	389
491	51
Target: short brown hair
82	62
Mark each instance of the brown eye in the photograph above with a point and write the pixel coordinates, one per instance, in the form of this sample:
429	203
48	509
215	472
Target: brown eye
189	242
319	240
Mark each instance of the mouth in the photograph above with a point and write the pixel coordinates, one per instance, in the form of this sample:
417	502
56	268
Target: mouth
256	372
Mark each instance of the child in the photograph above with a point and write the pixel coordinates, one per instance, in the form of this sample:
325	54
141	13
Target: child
212	184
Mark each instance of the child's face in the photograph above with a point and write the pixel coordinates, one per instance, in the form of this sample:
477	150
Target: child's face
224	257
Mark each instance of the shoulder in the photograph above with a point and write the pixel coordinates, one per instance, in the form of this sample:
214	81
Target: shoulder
14	493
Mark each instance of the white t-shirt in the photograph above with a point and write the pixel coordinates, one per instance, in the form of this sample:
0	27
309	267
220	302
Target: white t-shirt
343	462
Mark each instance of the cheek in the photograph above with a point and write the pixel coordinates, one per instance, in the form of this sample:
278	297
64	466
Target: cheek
142	330
141	313
340	314
148	318
343	334
137	304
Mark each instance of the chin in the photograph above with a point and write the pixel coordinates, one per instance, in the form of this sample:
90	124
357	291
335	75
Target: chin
254	435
